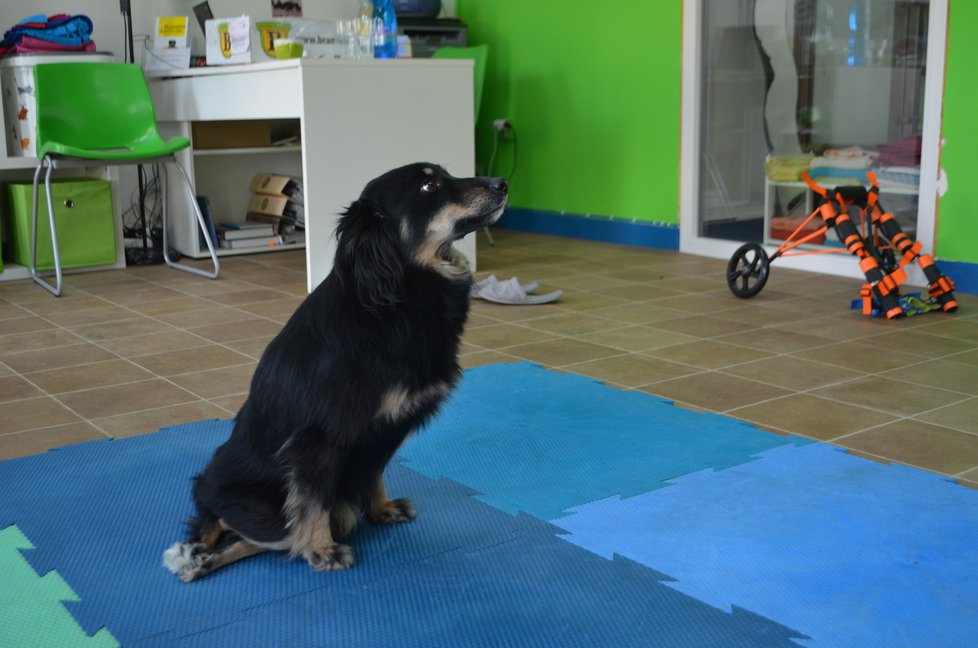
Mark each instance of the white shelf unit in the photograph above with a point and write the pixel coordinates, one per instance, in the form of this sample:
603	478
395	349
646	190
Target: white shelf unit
223	175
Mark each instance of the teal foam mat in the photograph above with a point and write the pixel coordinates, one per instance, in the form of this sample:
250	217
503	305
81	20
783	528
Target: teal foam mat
541	442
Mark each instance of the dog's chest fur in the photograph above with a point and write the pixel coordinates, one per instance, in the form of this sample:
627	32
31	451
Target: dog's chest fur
385	372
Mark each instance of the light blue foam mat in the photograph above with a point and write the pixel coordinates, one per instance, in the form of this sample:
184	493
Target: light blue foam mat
463	573
541	442
845	550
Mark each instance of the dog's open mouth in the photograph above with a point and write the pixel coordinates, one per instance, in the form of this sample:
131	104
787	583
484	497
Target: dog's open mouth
446	253
466	226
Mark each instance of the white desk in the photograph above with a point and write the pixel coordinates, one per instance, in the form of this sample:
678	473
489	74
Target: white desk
358	119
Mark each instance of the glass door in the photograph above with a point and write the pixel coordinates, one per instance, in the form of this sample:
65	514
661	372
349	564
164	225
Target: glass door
832	87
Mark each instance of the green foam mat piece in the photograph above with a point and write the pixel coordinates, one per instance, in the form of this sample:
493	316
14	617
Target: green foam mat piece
32	611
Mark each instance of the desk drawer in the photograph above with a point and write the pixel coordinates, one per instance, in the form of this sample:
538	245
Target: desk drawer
83	214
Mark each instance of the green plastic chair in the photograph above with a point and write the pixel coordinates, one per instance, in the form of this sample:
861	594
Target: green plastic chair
100	112
477	53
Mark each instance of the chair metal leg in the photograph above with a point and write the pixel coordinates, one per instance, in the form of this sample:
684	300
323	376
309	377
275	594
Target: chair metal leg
35	275
200	221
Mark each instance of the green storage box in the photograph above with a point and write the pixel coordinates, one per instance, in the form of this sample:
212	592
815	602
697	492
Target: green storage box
82	213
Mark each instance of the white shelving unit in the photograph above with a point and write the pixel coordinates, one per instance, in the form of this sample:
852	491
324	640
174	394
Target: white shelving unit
223	175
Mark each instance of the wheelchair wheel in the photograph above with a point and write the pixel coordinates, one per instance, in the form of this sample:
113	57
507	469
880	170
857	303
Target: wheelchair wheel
747	270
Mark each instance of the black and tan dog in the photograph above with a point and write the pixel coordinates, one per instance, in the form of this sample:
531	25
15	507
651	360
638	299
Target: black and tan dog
365	360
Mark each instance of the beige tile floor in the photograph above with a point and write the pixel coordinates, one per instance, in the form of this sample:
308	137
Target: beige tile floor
125	352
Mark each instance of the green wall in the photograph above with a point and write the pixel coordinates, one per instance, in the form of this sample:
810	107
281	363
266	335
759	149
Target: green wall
957	217
593	94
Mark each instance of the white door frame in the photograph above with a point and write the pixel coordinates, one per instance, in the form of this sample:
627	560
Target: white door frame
690	240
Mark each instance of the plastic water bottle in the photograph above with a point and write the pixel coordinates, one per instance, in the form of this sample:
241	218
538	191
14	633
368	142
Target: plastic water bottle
365	21
385	29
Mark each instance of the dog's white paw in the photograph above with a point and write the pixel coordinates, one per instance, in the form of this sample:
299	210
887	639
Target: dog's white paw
187	560
178	557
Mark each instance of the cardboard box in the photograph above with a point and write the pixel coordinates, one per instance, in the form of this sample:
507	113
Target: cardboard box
268	205
277	185
241	133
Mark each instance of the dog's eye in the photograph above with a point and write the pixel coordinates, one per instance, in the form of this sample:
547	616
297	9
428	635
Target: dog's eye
430	185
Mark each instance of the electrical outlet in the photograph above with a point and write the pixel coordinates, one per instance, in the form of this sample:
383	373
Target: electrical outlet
504	128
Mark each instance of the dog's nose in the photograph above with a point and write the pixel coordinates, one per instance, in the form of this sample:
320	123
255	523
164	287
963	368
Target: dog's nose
498	184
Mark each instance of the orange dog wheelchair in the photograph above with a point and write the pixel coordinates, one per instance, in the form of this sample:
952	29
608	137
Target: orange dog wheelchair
876	242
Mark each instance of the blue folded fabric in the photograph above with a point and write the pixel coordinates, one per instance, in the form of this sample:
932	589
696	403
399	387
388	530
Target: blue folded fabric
837	172
61	29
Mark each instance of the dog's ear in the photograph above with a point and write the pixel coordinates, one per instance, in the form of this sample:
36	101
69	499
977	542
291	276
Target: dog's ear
369	255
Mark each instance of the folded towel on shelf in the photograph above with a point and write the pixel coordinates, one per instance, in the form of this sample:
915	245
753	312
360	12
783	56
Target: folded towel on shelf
823	161
32	45
56	33
901	152
840	166
899	175
786	168
849	153
826	176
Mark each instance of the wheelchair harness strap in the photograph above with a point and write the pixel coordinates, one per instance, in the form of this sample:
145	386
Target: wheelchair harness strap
883	285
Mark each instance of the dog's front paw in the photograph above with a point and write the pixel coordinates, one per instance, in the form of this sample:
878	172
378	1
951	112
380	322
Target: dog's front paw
190	561
392	512
185	560
331	558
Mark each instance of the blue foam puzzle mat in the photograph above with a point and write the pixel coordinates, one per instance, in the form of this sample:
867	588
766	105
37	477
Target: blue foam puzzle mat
552	511
515	432
462	570
532	590
847	551
125	501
